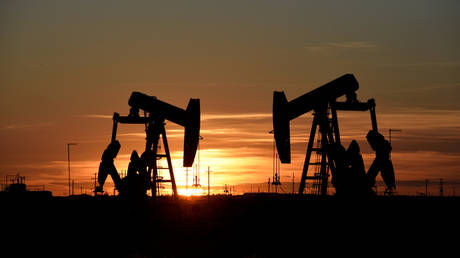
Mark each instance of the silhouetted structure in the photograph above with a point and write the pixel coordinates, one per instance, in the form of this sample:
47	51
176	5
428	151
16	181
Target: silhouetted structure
382	161
156	112
17	184
137	180
345	165
106	167
16	187
276	179
196	178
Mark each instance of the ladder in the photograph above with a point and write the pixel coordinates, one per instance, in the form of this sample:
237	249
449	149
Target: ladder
317	178
327	128
154	131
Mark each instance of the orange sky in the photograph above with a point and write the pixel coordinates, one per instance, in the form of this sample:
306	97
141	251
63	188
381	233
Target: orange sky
66	67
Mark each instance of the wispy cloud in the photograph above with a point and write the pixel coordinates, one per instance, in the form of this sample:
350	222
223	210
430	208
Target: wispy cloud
422	64
353	44
25	126
97	116
236	116
203	117
432	87
341	45
132	135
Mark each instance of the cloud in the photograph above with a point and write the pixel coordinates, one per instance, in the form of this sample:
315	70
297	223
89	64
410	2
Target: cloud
341	45
236	116
427	164
97	116
421	64
25	126
431	87
354	44
203	116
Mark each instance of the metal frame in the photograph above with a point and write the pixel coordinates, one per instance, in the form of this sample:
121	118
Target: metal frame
154	128
330	134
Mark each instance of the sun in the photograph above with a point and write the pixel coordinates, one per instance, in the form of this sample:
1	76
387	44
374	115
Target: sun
191	191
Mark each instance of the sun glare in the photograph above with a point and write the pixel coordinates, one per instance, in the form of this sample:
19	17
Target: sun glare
191	191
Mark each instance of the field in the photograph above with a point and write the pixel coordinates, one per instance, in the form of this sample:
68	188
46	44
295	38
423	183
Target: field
258	225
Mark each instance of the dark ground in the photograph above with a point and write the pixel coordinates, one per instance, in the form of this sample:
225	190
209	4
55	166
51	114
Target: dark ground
230	226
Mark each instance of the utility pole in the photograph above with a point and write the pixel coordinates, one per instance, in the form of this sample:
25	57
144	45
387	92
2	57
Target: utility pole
198	167
394	130
95	183
426	187
441	189
68	160
209	182
186	181
292	182
276	166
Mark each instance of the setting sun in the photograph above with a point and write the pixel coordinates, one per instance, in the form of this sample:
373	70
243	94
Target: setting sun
191	191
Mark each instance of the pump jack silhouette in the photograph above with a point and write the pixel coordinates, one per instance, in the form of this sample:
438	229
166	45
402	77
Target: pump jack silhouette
155	114
323	102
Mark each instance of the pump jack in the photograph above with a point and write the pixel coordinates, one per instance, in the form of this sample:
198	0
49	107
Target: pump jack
323	102
155	114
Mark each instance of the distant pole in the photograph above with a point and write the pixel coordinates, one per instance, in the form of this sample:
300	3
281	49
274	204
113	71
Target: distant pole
68	163
292	182
198	166
441	189
186	181
68	160
394	130
268	185
95	183
274	165
426	187
72	187
209	182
